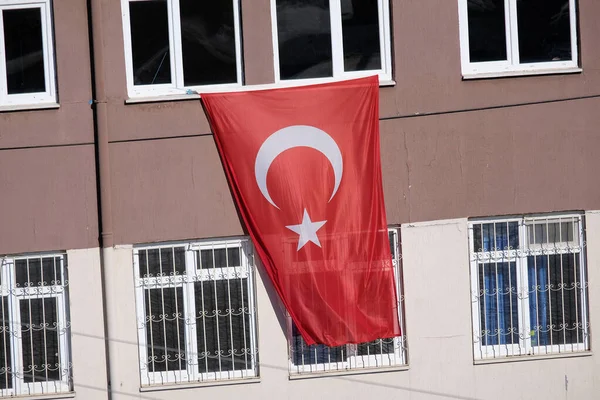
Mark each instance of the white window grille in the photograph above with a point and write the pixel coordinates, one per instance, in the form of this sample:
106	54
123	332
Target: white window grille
178	46
26	53
196	312
35	331
528	286
514	37
323	40
380	353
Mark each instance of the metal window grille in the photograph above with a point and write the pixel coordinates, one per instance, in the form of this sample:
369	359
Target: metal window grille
196	312
528	286
379	353
35	332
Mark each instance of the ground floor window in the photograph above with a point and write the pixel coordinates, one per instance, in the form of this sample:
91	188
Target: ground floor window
35	329
529	286
196	311
380	353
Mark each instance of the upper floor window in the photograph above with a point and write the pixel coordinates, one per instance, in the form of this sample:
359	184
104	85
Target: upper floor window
384	352
34	327
26	53
196	313
331	39
175	45
517	36
528	286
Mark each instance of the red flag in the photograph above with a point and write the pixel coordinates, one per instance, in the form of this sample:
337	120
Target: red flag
304	167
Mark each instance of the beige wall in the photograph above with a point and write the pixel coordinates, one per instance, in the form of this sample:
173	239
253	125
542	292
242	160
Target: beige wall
438	320
87	324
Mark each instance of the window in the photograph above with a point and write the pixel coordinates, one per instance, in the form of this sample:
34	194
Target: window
26	55
196	313
331	39
376	354
176	45
35	331
529	287
517	36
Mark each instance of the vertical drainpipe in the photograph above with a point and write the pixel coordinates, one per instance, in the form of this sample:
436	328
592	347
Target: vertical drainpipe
97	50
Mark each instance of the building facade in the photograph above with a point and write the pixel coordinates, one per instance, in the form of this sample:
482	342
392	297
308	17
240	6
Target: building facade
109	173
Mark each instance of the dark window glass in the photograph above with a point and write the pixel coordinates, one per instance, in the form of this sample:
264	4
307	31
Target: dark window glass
498	303
496	236
304	34
379	346
223	325
24	50
39	331
162	262
360	30
165	329
302	354
208	42
544	30
555	290
150	42
220	258
32	272
487	30
5	349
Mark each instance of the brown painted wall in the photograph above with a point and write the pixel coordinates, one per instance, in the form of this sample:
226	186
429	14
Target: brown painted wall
489	162
48	194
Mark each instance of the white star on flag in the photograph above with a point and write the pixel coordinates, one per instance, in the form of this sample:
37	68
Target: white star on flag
307	230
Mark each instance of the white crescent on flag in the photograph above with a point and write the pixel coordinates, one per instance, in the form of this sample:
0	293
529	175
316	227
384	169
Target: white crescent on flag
289	138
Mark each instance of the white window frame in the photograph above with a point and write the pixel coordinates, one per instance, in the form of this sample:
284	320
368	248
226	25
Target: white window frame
15	295
176	87
337	51
194	273
519	256
49	95
361	362
513	66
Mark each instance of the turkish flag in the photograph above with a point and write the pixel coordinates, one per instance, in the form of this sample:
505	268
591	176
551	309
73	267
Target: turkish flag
304	167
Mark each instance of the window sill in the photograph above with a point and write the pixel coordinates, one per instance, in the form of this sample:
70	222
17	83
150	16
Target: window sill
192	385
56	396
508	359
325	374
29	107
196	95
506	74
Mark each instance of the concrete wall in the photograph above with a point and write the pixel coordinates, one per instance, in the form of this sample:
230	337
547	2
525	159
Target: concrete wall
47	168
87	324
450	148
439	332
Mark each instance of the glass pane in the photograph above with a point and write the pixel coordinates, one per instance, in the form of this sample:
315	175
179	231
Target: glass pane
39	331
223	325
302	354
220	258
544	30
304	34
498	305
30	272
165	329
496	236
162	262
555	291
360	29
379	346
554	232
5	347
150	42
208	42
487	30
24	50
